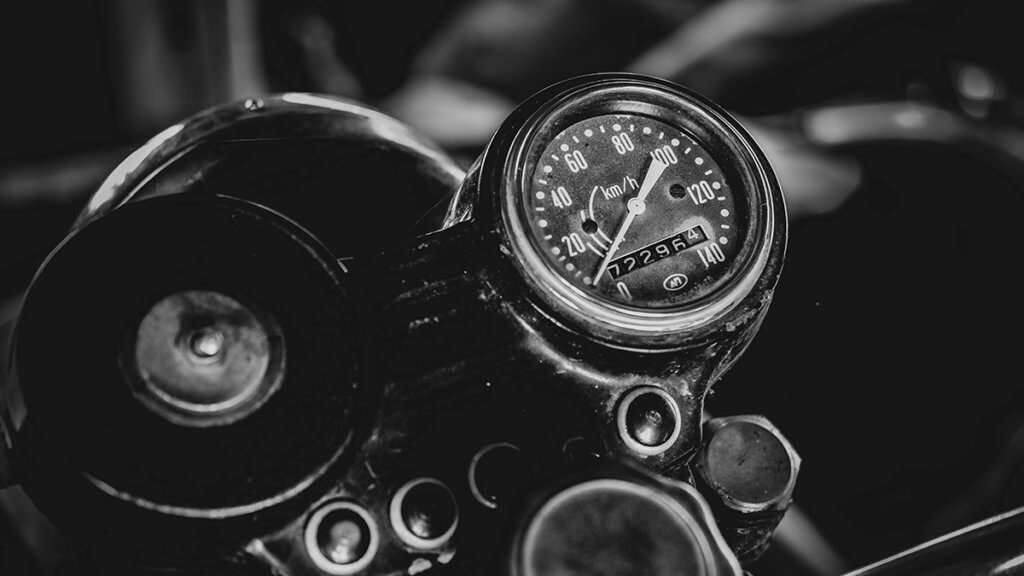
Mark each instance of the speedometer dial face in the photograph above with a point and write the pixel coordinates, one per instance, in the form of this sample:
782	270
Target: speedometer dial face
634	211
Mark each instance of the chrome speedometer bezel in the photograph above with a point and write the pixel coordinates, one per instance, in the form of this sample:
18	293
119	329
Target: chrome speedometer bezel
748	172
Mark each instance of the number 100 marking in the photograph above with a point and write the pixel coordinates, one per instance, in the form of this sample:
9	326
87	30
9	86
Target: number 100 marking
665	155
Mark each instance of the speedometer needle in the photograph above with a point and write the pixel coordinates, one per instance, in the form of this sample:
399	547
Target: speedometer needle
634	207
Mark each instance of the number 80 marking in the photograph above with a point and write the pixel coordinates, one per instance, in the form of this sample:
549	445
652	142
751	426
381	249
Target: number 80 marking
622	143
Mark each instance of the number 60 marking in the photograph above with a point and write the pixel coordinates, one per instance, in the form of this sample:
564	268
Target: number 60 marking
576	161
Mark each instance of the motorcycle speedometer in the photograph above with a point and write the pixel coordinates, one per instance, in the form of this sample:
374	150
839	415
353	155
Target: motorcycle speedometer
639	206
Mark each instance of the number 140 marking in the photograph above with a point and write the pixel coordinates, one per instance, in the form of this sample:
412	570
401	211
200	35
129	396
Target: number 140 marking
711	254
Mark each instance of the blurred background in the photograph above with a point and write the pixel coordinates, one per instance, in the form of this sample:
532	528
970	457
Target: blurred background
889	358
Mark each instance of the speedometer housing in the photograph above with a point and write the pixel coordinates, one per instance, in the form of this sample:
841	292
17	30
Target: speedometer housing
565	175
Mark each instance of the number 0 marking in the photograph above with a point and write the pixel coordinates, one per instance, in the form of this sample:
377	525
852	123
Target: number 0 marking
624	290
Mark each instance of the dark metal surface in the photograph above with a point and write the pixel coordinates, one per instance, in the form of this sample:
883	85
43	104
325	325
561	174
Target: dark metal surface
409	357
470	358
424	358
89	449
318	159
153	226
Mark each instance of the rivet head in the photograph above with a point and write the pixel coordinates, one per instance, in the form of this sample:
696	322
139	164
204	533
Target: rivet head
648	420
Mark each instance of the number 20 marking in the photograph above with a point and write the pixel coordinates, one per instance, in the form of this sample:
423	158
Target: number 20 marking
574	244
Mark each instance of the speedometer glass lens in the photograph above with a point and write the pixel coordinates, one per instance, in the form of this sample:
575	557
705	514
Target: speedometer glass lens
632	210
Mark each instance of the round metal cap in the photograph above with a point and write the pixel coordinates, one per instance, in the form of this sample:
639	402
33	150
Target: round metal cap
341	538
648	420
202	358
749	463
424	514
606	527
